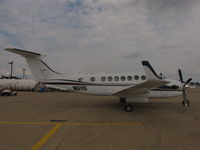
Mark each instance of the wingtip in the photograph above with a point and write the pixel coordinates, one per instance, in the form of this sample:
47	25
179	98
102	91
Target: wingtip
20	51
10	49
145	63
6	49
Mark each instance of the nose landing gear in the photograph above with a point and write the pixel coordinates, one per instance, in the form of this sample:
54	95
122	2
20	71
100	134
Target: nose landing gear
186	103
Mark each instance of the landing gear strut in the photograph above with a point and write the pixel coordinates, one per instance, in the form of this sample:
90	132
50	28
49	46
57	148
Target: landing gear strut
127	106
122	100
186	103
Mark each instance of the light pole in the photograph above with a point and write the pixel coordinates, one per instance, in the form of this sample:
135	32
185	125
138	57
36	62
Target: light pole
24	70
11	69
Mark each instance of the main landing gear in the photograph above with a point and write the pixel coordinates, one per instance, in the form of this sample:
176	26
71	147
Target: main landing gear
127	106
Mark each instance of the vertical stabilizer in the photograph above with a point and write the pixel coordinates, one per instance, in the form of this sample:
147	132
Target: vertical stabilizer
40	70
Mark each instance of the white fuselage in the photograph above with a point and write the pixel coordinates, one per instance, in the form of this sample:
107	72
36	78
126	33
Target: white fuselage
108	84
130	86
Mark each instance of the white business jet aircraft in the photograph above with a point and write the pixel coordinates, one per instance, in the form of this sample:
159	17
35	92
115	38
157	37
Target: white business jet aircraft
129	87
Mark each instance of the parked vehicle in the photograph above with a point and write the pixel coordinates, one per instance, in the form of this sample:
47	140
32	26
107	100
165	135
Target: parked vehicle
8	93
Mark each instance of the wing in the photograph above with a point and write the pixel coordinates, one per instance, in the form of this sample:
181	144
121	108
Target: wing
152	81
141	88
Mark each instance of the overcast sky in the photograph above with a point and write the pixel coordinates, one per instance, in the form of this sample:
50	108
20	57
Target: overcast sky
92	36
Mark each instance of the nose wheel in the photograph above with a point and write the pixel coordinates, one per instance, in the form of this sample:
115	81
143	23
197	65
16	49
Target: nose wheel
186	103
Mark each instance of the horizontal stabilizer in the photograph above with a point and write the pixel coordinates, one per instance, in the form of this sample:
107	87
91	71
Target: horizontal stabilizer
23	53
39	68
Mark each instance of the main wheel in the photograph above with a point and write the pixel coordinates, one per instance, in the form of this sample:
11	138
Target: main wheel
186	103
122	100
128	108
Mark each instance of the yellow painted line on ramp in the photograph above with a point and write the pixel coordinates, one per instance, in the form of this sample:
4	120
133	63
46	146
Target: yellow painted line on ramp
74	124
46	137
29	123
57	125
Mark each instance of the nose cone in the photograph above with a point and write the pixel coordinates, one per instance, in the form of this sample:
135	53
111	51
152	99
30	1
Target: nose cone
187	86
180	85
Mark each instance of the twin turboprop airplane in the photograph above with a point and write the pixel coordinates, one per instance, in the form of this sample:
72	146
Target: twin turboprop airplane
129	87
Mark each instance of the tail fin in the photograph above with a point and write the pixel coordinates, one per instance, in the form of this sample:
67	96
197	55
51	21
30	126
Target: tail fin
37	65
150	72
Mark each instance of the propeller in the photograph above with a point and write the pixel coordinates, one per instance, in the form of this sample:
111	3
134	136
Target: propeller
186	101
180	75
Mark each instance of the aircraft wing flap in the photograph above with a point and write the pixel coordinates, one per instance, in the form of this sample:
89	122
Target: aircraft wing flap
141	88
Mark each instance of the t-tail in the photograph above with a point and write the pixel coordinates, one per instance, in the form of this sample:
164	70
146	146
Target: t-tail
40	70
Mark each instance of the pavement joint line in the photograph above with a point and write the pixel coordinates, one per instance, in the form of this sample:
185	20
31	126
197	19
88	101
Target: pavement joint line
51	132
74	124
44	139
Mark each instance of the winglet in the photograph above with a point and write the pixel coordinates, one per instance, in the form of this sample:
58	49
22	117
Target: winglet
150	72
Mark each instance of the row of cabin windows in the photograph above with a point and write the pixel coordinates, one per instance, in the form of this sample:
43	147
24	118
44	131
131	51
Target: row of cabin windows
116	78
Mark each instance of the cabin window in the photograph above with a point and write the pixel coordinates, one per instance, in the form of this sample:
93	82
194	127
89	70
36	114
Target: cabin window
109	78
129	78
123	78
92	79
80	79
116	78
103	79
136	77
143	77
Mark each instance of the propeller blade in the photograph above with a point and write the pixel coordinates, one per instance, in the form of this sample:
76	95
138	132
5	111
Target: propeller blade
188	81
185	101
180	75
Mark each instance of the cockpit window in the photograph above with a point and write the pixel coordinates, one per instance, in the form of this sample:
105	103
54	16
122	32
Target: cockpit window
169	87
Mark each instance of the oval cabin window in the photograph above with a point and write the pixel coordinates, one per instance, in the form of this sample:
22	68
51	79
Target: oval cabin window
116	78
103	79
129	78
92	79
143	77
123	78
109	78
136	77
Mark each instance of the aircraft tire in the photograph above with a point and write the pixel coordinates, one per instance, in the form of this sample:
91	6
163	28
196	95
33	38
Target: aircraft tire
128	108
186	103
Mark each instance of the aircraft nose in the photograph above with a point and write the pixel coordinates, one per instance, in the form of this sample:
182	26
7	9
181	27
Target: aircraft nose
180	85
187	86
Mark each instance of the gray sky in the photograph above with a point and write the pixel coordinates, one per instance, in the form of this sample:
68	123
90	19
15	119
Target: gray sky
92	36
